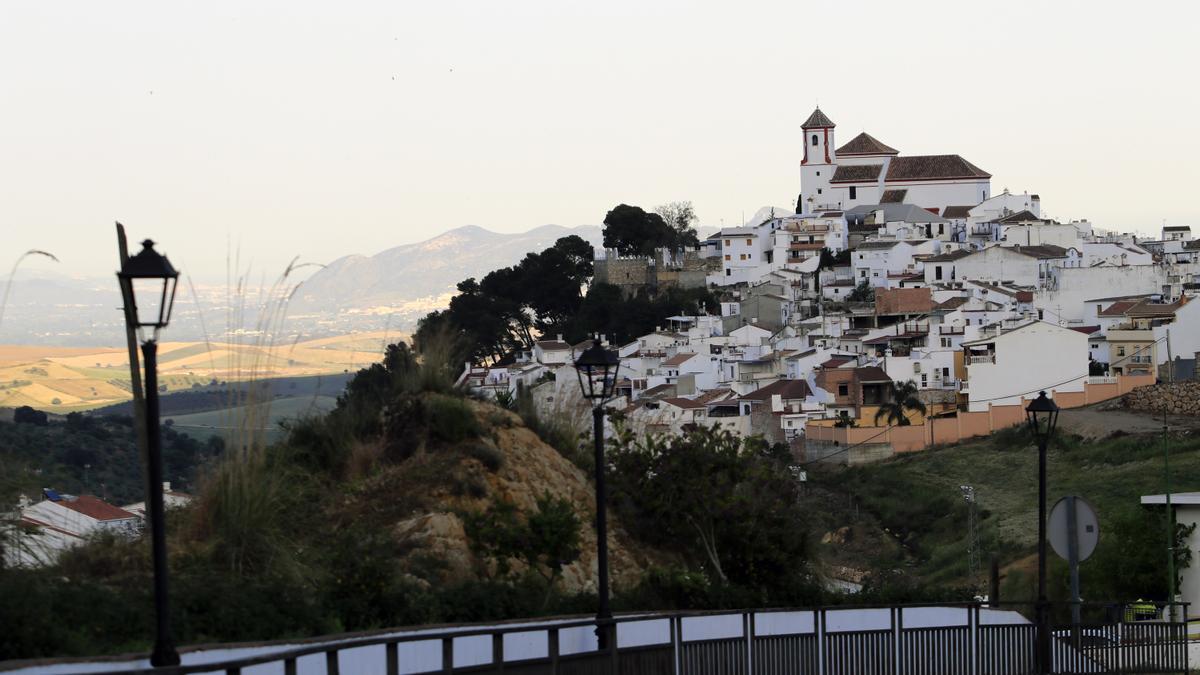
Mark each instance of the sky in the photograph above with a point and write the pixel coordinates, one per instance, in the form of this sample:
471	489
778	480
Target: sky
321	129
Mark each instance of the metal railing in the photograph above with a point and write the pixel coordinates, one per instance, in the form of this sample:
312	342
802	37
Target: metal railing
947	639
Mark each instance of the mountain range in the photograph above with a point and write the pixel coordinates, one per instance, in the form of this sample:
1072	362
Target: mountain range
425	273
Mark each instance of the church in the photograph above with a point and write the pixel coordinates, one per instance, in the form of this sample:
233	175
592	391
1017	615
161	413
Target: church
866	171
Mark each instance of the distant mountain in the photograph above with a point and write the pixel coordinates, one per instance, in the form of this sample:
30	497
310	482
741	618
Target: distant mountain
423	274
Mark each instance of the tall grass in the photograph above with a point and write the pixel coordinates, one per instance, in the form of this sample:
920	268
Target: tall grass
242	516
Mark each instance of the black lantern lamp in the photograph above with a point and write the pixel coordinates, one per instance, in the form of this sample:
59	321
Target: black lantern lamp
1042	414
597	369
148	282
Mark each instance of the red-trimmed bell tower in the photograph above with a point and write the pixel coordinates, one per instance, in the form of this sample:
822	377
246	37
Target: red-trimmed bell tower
819	163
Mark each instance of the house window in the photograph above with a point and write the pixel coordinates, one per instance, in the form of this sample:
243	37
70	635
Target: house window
818	173
843	390
727	243
1120	350
818	190
853	192
814	139
946	373
749	242
924	380
1040	314
728	272
728	257
742	256
945	342
937	272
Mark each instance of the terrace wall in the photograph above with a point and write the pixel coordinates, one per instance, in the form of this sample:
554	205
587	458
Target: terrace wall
841	444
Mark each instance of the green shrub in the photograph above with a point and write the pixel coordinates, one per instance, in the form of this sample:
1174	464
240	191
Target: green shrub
450	419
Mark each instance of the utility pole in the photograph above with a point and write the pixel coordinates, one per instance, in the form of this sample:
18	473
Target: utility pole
973	564
1170	518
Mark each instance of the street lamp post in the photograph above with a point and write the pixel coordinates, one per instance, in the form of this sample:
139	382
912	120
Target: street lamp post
597	369
1042	414
148	289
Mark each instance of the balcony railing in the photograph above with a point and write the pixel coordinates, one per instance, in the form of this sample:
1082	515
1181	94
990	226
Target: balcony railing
958	638
973	360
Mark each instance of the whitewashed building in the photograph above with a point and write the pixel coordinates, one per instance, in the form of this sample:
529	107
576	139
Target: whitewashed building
867	171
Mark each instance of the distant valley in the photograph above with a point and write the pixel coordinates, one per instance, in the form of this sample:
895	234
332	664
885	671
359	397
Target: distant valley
387	292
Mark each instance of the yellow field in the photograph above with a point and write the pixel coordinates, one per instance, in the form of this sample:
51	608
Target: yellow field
65	379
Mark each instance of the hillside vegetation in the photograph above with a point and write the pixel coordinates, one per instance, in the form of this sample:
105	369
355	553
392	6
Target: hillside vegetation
906	517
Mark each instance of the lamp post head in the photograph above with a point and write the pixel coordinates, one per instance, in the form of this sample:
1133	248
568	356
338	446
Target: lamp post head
597	363
148	282
1042	413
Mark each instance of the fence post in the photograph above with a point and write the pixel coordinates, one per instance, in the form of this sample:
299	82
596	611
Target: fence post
331	662
977	661
552	650
289	666
748	629
393	658
498	651
822	654
677	644
448	655
898	636
613	648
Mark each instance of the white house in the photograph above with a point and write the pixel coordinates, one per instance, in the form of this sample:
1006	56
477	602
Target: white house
552	352
867	171
1023	265
62	521
1005	364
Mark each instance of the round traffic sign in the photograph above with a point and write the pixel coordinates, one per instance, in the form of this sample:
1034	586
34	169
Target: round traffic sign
1087	528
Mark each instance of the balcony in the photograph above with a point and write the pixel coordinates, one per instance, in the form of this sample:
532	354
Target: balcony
975	360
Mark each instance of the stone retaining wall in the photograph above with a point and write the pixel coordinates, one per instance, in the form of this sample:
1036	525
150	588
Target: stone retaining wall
1179	398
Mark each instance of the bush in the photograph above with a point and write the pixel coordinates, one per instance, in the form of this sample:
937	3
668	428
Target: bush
450	419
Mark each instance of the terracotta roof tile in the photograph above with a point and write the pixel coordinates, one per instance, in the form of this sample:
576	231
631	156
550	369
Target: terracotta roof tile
866	144
933	167
678	359
817	120
856	173
94	507
903	301
893	197
1020	217
957	211
788	389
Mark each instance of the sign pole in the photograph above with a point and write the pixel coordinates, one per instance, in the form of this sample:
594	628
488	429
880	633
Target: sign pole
1073	560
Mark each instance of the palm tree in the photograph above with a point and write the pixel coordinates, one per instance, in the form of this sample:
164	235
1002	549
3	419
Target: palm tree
903	397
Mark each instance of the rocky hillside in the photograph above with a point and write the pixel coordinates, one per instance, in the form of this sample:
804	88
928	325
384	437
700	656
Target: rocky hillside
422	501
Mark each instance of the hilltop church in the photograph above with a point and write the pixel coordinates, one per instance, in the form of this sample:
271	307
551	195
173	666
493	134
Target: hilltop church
866	171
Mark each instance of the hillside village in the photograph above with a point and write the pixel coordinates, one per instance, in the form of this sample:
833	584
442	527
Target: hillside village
894	269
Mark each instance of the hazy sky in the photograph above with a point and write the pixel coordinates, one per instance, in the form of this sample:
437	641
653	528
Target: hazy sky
321	129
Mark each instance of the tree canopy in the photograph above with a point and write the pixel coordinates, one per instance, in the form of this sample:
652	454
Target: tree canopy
632	231
505	311
727	502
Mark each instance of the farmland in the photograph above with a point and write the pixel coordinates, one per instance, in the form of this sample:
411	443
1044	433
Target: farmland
70	379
